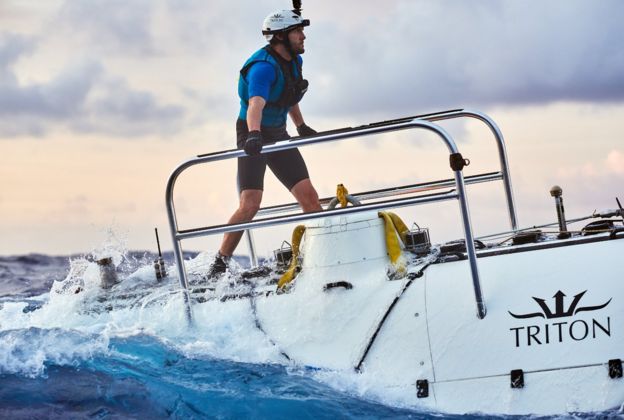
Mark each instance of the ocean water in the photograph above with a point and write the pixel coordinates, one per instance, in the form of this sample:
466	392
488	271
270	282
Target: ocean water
66	352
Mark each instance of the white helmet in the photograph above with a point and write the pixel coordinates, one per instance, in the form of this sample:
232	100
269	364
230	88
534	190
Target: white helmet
282	21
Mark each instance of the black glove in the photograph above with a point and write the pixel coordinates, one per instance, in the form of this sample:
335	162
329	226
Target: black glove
253	145
304	130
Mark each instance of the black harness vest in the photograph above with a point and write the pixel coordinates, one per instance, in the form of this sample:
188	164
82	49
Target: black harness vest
295	86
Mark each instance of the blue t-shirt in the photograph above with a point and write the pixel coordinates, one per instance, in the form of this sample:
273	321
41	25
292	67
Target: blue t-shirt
261	79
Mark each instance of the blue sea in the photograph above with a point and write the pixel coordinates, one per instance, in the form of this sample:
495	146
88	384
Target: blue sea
67	354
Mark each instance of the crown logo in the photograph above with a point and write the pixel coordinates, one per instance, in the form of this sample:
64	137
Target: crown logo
559	312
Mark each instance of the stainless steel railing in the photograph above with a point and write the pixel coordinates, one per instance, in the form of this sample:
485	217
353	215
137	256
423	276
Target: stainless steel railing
390	192
421	122
437	116
503	174
502	153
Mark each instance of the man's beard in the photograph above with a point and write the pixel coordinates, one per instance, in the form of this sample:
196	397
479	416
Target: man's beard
298	50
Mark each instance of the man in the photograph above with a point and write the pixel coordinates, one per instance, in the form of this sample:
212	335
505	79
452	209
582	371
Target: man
270	87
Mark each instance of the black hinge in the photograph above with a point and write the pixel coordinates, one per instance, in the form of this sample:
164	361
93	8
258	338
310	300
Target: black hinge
615	368
517	378
422	388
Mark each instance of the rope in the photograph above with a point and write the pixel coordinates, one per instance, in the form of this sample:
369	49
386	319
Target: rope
393	226
343	197
289	275
341	194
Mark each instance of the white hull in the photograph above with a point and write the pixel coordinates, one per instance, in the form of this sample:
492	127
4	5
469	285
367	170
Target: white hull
433	333
449	336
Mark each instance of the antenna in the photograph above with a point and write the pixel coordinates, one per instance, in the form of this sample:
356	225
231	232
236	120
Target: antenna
297	7
158	242
159	263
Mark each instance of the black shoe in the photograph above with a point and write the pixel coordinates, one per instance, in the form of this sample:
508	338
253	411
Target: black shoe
218	267
261	271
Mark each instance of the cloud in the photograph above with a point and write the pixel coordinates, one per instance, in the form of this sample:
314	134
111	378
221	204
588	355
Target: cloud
116	109
363	60
159	27
615	162
444	54
610	166
599	181
73	208
11	47
110	25
82	97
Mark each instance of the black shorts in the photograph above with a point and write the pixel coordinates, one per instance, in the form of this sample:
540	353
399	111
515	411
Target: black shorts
287	165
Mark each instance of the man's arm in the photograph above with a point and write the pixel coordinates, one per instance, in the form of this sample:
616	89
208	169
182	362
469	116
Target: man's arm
295	115
302	128
254	112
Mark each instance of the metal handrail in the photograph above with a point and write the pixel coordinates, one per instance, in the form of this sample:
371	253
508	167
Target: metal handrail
431	117
299	217
460	194
447	115
389	192
502	153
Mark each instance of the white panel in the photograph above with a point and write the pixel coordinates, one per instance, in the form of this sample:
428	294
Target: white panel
466	347
338	242
400	354
329	329
545	393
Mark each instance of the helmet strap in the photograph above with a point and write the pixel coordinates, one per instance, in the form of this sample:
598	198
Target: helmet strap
286	42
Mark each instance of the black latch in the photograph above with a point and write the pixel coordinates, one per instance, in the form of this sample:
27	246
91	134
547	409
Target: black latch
422	388
615	368
517	378
458	162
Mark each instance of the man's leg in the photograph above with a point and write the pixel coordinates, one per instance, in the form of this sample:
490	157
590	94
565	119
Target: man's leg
290	168
306	196
249	205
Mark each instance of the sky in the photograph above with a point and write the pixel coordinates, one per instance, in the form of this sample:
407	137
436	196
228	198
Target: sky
101	99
